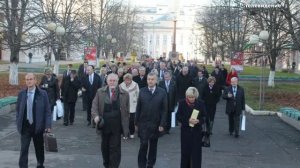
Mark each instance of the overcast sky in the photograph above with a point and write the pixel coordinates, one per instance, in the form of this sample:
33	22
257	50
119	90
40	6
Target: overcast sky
169	2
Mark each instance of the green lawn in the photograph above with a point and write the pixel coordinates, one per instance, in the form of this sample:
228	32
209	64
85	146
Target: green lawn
256	71
282	95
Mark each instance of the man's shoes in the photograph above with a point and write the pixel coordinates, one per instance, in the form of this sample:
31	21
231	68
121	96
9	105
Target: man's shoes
236	135
89	123
71	123
66	124
230	133
131	136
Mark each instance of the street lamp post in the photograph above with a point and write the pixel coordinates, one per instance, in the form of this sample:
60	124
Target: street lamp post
56	31
255	39
111	41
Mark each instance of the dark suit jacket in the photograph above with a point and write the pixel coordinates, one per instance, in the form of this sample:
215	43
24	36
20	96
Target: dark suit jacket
70	89
211	96
151	112
199	84
140	82
184	114
171	94
239	100
52	90
42	117
92	89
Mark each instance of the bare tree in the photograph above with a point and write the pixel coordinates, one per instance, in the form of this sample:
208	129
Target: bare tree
20	17
270	18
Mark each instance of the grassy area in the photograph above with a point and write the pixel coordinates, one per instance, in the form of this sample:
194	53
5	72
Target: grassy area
282	95
256	71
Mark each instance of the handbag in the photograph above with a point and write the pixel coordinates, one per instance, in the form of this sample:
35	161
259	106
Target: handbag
243	125
54	113
60	108
100	124
205	140
205	136
50	142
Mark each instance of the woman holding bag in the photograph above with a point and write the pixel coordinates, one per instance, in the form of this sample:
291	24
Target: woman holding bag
191	114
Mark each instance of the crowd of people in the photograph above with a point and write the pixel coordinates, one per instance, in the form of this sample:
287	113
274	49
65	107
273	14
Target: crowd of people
124	100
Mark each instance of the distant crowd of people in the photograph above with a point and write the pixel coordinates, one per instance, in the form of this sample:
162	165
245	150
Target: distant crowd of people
124	100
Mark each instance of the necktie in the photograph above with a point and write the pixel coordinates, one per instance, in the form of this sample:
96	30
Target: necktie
167	85
234	91
151	90
29	107
91	79
113	94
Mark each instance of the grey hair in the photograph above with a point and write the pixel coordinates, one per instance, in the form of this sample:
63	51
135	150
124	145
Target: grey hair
152	74
192	91
112	75
127	76
142	68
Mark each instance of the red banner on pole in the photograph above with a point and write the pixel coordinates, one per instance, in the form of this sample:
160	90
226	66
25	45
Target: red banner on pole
90	55
237	61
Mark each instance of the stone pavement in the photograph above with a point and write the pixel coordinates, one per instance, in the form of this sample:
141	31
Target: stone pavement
267	143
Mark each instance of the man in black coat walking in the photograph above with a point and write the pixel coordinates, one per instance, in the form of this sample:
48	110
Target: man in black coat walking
235	105
141	79
183	82
169	85
91	84
151	112
69	89
199	82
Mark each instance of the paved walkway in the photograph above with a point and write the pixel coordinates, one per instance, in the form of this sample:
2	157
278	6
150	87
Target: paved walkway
267	143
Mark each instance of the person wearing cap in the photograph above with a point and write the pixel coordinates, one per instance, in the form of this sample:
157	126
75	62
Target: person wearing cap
69	89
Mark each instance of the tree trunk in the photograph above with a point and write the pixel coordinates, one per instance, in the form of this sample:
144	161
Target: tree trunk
13	74
56	67
271	82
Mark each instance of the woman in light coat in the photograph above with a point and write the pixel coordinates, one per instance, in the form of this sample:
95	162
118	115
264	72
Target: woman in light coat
133	89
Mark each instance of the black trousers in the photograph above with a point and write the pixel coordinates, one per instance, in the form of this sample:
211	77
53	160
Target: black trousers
131	123
69	112
147	152
191	148
211	112
168	123
234	123
89	110
111	149
38	141
84	101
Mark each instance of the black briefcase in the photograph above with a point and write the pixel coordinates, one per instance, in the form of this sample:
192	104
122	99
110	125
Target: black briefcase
50	142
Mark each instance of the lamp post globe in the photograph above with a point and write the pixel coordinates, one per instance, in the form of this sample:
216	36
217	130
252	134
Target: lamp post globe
215	45
51	26
264	35
109	37
60	31
253	39
220	43
113	40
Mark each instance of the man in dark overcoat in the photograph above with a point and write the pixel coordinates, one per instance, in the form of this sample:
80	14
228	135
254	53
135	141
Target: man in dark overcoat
183	82
91	84
200	82
69	91
235	105
151	113
169	85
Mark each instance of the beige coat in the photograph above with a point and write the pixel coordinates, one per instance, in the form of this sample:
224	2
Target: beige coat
98	106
